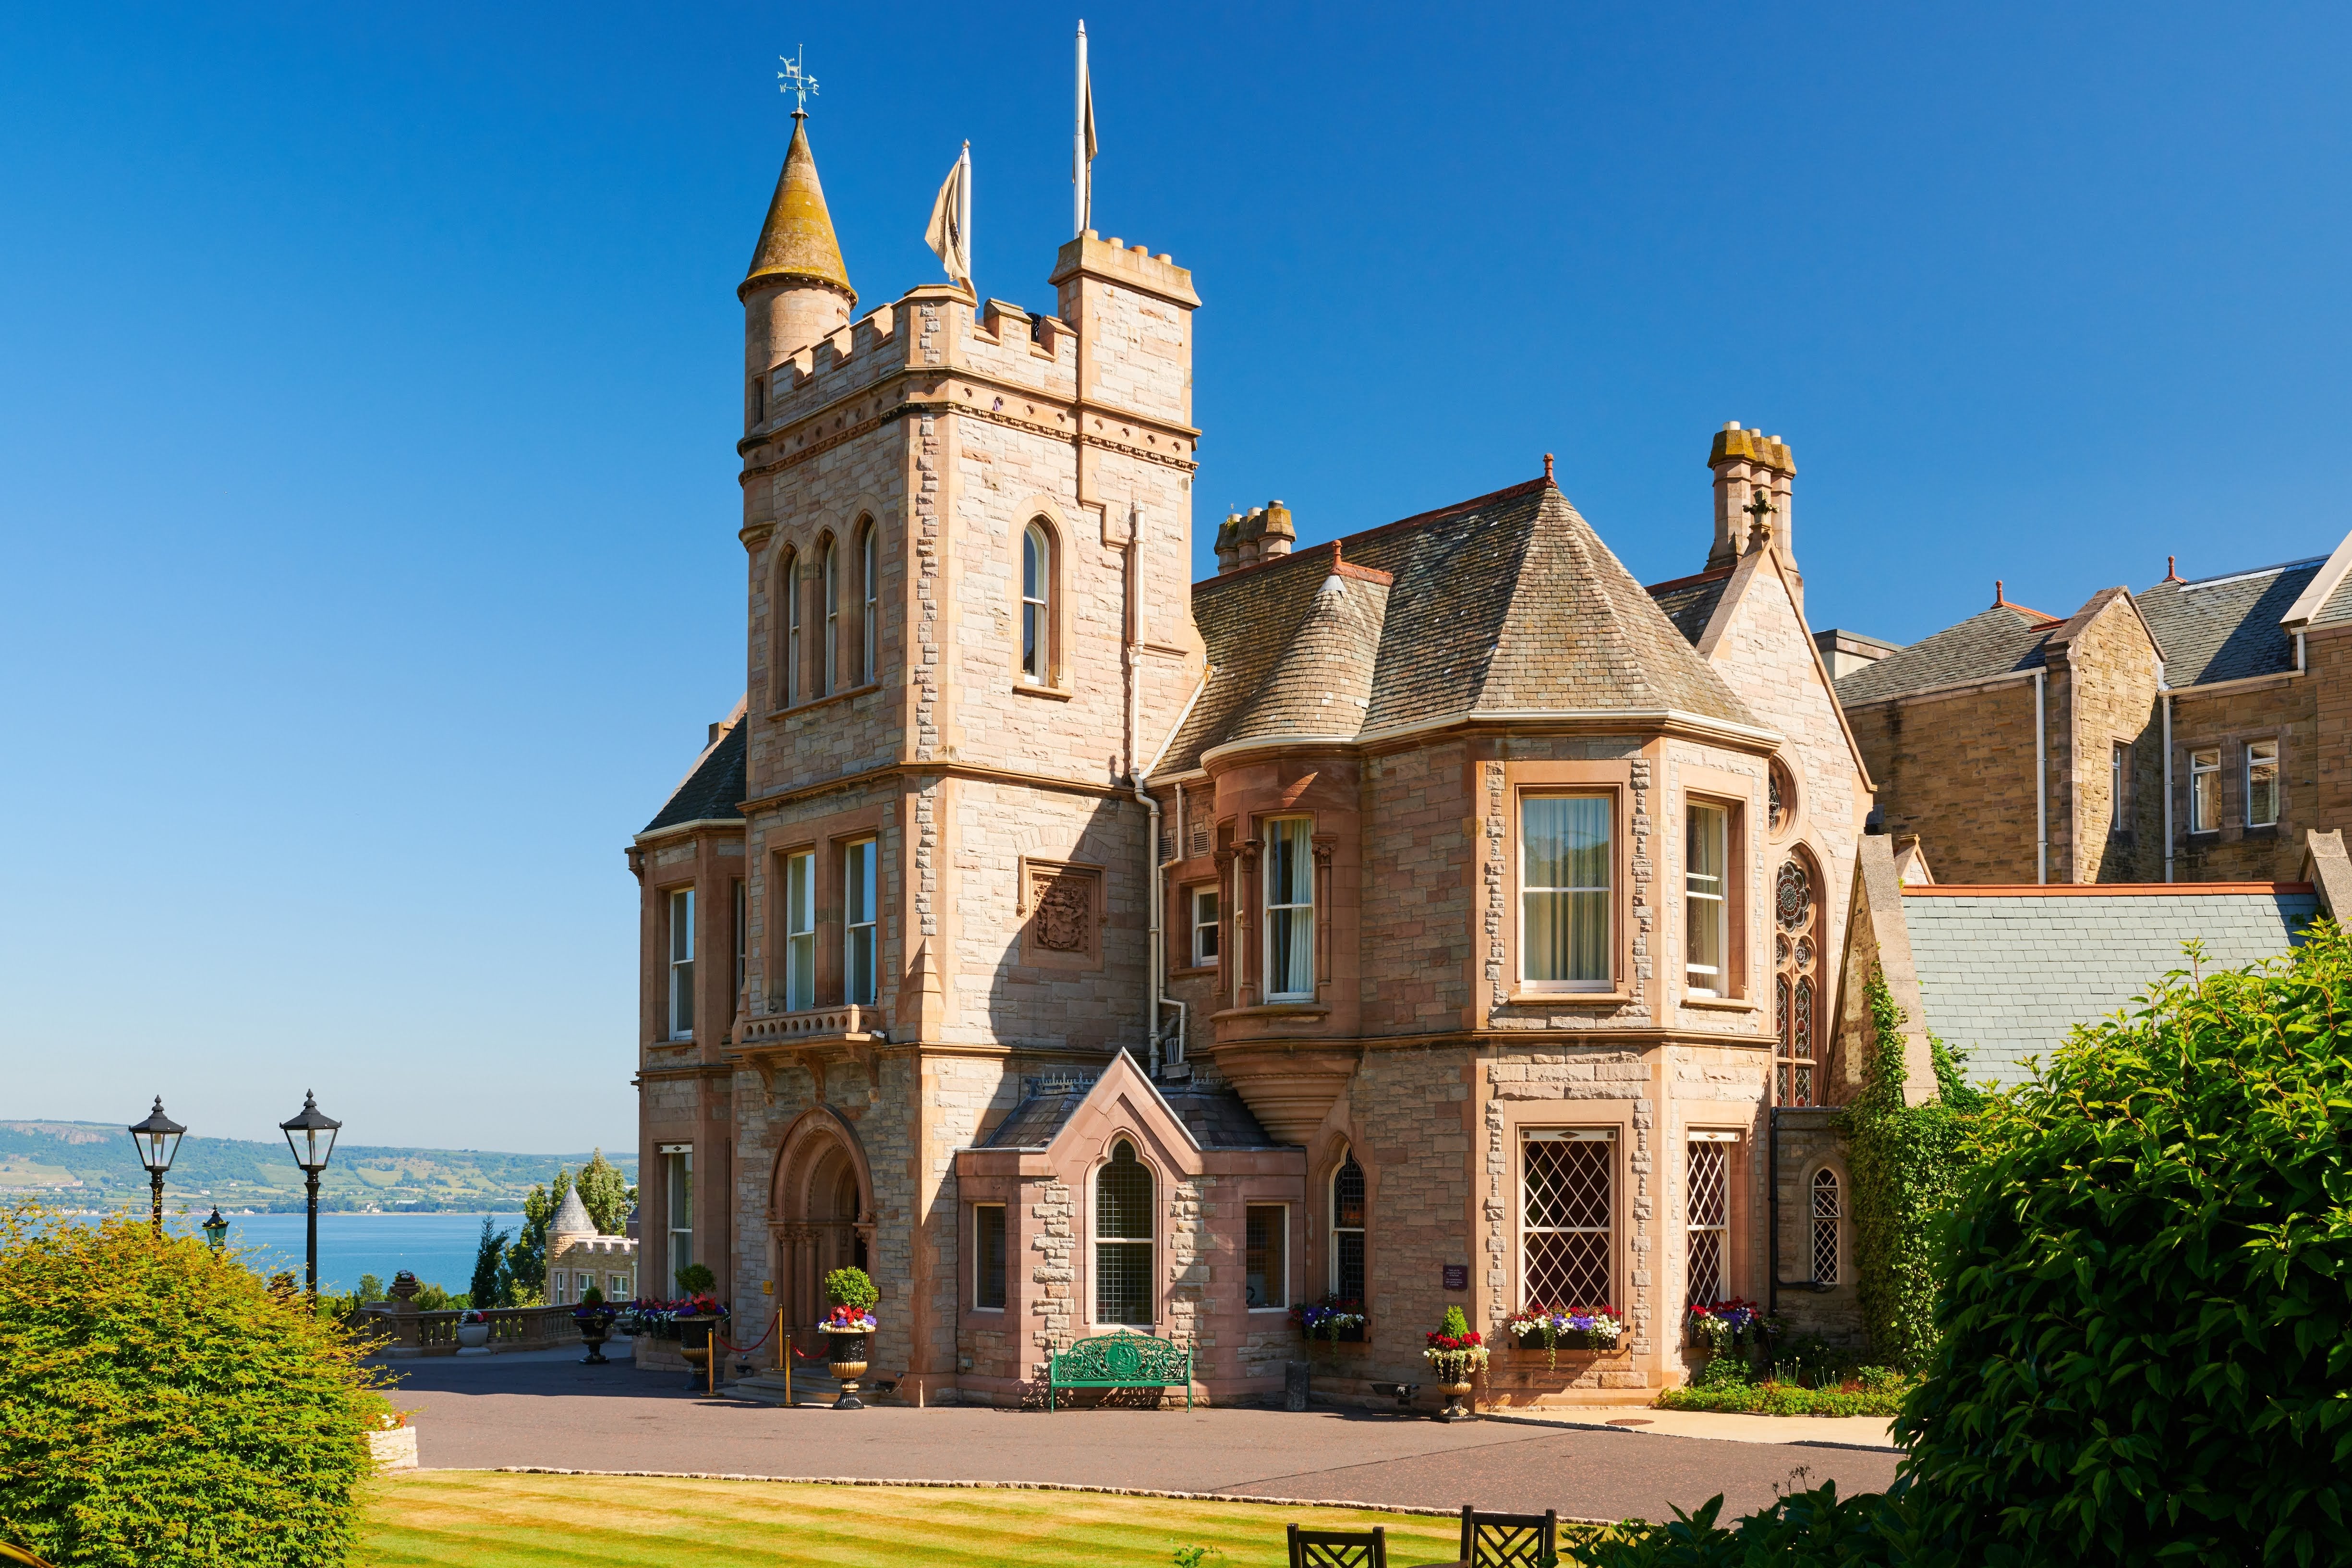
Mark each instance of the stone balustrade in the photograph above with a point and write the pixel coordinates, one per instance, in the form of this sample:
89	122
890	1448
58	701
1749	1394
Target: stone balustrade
401	1330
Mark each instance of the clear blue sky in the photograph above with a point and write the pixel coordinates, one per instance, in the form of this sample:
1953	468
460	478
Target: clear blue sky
369	381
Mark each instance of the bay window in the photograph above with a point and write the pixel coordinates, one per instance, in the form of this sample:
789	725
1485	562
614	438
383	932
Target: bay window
1289	909
1568	1218
1707	968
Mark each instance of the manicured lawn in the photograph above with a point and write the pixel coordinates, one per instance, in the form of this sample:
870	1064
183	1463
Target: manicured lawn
482	1520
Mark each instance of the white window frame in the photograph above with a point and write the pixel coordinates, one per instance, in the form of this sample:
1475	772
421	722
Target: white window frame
1280	1273
831	588
2262	751
799	930
1722	1231
1711	905
2205	789
1301	916
681	963
861	888
1205	956
1036	606
617	1288
979	1259
677	1159
1608	890
2119	778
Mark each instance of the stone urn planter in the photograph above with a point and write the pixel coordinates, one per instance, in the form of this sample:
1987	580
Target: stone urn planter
845	1358
694	1343
474	1338
596	1328
1456	1393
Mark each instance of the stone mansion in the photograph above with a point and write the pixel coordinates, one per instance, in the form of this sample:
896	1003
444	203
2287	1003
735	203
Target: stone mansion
1424	918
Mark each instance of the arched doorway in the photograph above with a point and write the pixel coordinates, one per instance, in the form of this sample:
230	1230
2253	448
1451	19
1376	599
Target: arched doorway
821	1214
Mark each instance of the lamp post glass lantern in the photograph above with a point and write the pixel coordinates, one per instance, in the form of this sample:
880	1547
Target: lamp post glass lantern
311	1136
216	1230
157	1139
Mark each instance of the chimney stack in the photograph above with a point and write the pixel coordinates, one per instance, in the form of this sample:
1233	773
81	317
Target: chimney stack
1277	536
1745	463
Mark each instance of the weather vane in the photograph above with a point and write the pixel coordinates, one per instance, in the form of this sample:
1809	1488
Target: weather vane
792	79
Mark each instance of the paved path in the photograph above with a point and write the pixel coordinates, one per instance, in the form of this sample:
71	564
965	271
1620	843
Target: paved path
514	1410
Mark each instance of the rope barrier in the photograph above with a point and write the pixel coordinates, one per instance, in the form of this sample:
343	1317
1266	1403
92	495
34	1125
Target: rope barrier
741	1350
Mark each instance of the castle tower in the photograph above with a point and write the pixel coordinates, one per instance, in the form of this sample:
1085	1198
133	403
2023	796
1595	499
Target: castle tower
797	290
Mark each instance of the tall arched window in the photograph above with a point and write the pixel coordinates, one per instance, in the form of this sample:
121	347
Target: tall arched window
1826	1210
832	590
870	599
1348	1230
1036	606
1796	984
789	583
1123	1239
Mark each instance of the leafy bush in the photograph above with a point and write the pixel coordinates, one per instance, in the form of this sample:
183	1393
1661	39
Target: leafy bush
694	1278
850	1287
2143	1346
1774	1397
1814	1529
159	1404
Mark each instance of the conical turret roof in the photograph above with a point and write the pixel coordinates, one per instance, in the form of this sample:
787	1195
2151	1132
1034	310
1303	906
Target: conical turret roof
571	1219
797	240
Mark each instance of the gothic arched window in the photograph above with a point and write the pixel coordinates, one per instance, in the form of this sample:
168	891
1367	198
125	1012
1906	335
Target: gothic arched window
1348	1230
1796	981
1036	606
1123	1239
832	590
1826	1210
788	654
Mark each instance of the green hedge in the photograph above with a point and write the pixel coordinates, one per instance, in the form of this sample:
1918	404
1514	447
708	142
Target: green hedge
1786	1399
160	1406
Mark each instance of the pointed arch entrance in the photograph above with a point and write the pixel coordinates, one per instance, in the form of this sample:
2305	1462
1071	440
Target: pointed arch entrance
820	1212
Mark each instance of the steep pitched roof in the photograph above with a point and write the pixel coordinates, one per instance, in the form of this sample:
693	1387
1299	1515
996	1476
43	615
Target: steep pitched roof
2339	608
2226	627
2004	976
713	791
797	239
1507	603
1690	602
1999	641
1210	1110
1321	683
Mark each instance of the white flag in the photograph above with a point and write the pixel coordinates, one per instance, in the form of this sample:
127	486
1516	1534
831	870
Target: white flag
950	234
1083	146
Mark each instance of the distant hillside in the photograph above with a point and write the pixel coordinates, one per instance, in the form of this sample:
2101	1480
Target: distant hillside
90	1164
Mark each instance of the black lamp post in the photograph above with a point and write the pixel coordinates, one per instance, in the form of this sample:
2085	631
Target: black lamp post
216	1230
311	1136
157	1139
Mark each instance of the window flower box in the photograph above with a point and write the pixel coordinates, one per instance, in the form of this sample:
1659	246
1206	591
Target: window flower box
1332	1319
1555	1328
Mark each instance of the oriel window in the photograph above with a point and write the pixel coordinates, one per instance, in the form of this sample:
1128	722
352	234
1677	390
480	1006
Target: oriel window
1564	888
859	889
800	931
1289	909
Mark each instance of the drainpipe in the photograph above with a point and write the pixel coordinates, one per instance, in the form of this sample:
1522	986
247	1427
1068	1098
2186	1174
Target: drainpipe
2167	785
1772	1208
2041	776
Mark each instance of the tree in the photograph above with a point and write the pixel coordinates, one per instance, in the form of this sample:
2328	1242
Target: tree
606	1193
159	1403
526	1260
488	1255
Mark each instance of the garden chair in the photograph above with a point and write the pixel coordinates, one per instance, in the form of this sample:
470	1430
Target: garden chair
1505	1540
1338	1548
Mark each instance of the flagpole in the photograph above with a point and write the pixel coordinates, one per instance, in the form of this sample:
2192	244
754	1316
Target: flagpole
1080	175
965	222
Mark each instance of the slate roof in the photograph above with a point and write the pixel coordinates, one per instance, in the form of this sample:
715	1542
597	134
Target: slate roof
1507	602
1690	602
1999	641
2004	977
1210	1110
2226	627
713	791
2339	608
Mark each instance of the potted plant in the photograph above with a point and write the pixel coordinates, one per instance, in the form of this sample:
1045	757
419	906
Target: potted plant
1719	1326
1456	1354
595	1320
697	1316
847	1331
1334	1319
473	1332
1578	1328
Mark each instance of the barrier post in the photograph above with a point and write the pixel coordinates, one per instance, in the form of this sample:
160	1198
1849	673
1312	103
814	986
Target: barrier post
788	1368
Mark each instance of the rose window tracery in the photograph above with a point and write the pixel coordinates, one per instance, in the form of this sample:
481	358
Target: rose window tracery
1796	981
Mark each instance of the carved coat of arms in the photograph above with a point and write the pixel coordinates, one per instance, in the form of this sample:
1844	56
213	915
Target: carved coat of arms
1063	904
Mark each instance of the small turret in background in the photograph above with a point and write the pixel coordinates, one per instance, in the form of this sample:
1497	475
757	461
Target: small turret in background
797	290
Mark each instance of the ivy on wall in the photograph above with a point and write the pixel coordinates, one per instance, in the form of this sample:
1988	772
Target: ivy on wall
1907	1162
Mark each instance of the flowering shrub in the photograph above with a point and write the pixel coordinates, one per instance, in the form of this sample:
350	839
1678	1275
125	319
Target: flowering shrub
1455	1351
471	1315
1584	1329
659	1319
1720	1326
1325	1318
846	1318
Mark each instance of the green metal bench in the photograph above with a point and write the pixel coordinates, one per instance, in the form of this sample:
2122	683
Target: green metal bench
1121	1360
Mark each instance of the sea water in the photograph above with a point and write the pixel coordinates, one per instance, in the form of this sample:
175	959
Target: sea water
438	1249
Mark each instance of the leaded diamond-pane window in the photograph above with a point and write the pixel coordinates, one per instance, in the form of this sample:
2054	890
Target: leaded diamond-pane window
1709	1195
1826	1210
1567	1217
1123	1239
